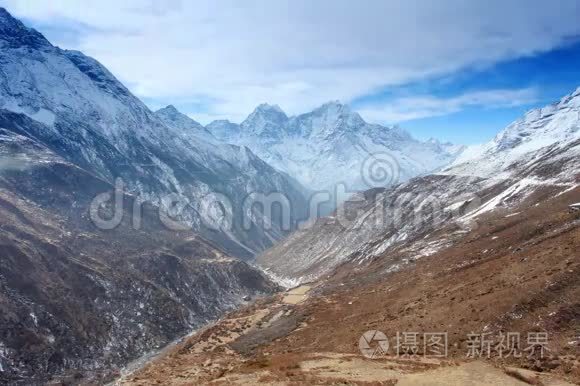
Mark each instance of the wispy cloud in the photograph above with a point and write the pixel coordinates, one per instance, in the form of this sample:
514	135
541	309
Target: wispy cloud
297	54
417	107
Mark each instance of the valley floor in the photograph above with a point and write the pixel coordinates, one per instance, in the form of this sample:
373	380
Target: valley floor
213	357
515	272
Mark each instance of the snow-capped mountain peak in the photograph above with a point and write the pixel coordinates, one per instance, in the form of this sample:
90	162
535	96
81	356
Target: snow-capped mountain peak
434	141
330	144
267	108
265	122
174	118
14	34
169	109
225	130
539	123
331	117
184	126
334	108
553	125
446	146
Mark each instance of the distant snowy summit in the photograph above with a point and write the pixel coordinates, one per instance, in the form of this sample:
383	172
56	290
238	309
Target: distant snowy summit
333	145
556	125
174	118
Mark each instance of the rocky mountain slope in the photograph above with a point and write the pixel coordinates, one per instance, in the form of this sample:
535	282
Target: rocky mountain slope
542	149
487	244
467	255
78	300
459	252
334	145
92	120
517	272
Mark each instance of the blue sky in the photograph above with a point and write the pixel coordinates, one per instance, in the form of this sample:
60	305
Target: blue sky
548	76
451	69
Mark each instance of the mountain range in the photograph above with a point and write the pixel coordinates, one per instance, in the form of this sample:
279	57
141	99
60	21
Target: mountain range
72	132
79	301
333	145
539	151
484	248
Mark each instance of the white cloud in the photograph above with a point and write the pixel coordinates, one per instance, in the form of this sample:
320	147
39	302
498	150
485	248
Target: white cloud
231	55
416	107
